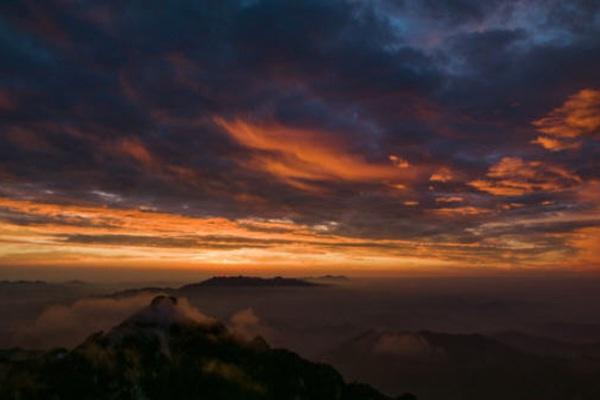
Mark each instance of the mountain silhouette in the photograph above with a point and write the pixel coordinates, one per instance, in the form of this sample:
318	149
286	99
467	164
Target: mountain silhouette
444	366
170	350
225	282
248	281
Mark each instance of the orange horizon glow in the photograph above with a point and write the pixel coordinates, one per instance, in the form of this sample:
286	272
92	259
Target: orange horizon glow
134	238
42	232
376	137
184	240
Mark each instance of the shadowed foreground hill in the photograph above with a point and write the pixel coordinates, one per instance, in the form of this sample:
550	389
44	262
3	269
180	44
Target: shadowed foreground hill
169	350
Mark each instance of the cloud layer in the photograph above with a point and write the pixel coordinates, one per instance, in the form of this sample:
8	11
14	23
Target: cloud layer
383	135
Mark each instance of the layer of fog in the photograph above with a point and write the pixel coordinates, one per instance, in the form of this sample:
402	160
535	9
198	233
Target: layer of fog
312	321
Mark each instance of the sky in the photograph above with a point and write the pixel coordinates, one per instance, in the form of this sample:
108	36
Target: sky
341	136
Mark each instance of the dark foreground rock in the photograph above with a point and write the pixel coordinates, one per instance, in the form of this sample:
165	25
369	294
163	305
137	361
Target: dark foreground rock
171	351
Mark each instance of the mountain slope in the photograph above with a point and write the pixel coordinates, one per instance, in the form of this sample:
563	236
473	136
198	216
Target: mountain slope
171	351
460	366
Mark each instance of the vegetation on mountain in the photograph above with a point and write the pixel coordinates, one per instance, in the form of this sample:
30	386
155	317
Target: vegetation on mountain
167	351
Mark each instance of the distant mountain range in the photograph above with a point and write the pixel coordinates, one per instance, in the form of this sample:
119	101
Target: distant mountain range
249	281
169	350
440	366
224	282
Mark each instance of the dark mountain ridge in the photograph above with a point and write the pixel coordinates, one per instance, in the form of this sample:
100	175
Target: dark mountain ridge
249	281
240	281
169	350
447	366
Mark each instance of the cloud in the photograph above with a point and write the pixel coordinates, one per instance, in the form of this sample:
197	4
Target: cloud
298	155
398	161
444	174
513	176
578	117
553	144
461	211
69	325
585	242
449	199
166	310
247	325
80	234
29	140
337	111
135	149
589	194
197	241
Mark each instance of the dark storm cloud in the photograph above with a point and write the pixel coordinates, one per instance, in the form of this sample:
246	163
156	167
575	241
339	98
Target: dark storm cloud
120	99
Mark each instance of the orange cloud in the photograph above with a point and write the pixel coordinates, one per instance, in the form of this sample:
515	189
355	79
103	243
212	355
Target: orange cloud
513	176
589	194
135	149
28	140
444	174
585	242
461	211
449	199
297	155
578	116
72	234
398	161
398	186
553	144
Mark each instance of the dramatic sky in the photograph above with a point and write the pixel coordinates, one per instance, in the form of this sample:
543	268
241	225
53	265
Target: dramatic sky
388	135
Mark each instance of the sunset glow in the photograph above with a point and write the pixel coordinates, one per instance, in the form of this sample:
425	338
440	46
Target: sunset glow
348	141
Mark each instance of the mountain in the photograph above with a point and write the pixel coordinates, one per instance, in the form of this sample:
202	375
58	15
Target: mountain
248	281
121	294
169	350
541	345
221	282
440	366
569	331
